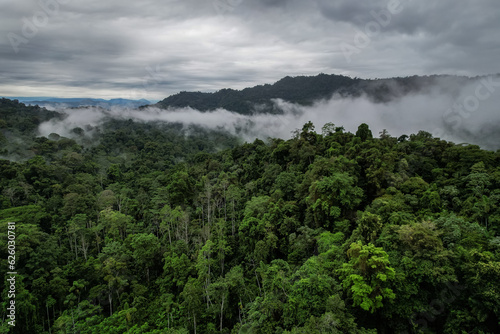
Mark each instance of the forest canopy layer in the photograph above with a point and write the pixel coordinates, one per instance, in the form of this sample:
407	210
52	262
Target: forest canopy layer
139	227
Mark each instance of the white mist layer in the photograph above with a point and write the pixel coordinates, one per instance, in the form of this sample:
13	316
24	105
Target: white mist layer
468	113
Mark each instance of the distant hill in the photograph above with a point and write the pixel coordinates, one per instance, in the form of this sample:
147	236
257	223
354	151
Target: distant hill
79	102
18	116
18	126
303	90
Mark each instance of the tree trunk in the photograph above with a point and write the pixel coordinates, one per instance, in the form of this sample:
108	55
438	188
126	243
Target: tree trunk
76	248
85	247
169	235
239	309
48	317
258	283
97	241
73	319
221	313
110	298
232	218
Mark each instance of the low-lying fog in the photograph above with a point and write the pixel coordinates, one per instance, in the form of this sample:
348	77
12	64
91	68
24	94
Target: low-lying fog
470	113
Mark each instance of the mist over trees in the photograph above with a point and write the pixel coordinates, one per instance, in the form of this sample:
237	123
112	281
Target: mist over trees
156	227
305	90
455	108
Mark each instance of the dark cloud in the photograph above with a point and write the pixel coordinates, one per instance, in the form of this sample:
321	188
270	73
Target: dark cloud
155	48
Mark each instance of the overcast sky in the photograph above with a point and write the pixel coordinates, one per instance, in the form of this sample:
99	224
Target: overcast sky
153	48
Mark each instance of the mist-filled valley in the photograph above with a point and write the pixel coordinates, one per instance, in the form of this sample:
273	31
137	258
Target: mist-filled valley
458	109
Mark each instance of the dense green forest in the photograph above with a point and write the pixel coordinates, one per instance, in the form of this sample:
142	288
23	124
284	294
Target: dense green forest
155	228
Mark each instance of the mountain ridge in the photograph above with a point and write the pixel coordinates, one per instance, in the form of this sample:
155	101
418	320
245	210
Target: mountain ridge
80	102
303	90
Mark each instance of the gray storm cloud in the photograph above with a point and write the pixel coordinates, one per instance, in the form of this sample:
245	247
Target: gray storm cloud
455	112
106	48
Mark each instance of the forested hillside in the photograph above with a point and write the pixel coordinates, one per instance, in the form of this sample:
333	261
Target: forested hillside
18	126
305	90
155	228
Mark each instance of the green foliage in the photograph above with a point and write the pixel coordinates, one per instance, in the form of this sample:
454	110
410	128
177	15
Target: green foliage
145	229
332	197
367	275
364	132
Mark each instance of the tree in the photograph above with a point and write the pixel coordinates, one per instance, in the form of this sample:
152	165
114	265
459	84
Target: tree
204	266
78	228
145	249
367	275
364	132
116	223
369	226
333	196
308	133
112	266
309	293
175	222
191	296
